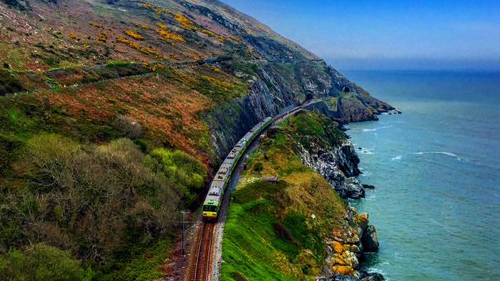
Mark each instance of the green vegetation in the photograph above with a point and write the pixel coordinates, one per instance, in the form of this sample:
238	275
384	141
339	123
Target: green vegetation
179	168
310	129
332	103
275	231
42	262
105	204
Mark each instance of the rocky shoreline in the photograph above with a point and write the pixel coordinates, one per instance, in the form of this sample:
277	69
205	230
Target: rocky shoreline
338	164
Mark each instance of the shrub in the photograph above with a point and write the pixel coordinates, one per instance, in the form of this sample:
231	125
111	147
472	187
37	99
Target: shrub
259	167
8	145
128	126
179	168
40	262
9	84
101	202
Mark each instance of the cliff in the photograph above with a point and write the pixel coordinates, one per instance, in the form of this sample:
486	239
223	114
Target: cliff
297	228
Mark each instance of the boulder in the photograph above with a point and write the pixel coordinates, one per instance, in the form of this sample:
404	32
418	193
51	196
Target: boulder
338	277
351	188
369	239
373	277
363	220
368	186
338	248
343	270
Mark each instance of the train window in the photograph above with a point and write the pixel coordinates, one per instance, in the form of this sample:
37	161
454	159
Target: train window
213	208
206	208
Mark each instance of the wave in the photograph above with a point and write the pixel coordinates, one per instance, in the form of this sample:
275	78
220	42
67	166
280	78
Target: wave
367	151
376	129
399	157
442	153
365	174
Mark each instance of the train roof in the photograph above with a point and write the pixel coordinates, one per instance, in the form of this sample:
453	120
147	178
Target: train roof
218	184
215	191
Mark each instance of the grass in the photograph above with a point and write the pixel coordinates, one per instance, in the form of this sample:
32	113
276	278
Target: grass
145	267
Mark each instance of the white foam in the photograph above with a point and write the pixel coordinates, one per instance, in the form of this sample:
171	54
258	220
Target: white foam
367	151
376	129
399	157
366	174
440	152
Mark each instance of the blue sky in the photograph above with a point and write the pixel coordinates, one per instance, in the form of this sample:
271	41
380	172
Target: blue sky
375	34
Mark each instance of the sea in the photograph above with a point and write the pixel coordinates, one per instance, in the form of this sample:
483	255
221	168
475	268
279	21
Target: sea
436	168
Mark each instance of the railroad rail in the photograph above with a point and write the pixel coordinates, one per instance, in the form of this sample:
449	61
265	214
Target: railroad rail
202	254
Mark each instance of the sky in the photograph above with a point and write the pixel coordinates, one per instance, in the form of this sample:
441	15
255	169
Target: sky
388	34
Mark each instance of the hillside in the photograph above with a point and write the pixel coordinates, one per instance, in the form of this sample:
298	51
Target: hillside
115	113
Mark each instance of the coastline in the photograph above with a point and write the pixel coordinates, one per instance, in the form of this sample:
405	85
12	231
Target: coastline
340	168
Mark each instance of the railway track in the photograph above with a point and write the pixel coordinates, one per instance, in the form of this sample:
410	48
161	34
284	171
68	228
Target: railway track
202	254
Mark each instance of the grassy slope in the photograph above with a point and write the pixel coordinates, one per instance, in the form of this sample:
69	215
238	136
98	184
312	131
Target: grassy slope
270	232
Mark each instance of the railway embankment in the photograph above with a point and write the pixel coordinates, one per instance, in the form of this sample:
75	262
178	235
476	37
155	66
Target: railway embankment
299	227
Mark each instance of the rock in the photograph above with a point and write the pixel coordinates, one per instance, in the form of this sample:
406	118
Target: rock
327	271
344	270
369	239
363	221
373	277
351	188
337	246
368	186
338	277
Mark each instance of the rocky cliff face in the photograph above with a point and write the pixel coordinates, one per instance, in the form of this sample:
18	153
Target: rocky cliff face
339	165
331	154
276	87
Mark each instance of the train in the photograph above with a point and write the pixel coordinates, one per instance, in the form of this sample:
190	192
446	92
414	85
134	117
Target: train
213	201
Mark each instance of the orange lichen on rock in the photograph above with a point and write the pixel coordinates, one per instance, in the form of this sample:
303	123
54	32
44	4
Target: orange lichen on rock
344	270
134	35
363	217
339	261
337	247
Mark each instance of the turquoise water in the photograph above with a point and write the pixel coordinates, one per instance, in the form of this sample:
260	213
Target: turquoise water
437	172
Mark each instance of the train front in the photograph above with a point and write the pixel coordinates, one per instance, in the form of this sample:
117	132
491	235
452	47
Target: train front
210	211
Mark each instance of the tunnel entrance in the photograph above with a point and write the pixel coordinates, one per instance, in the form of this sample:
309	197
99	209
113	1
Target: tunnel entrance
346	89
309	96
